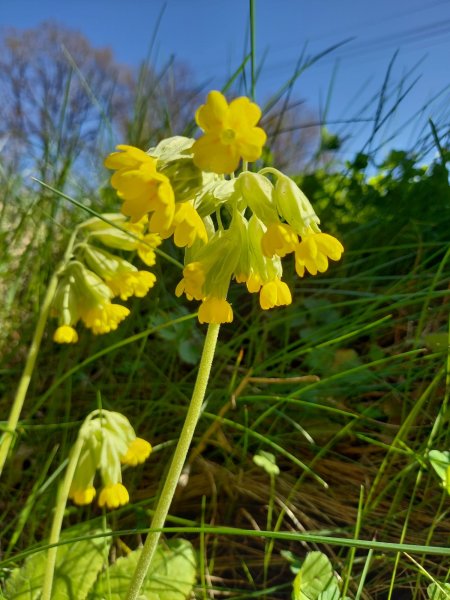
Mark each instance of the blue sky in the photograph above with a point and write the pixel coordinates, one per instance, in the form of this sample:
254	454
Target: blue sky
210	36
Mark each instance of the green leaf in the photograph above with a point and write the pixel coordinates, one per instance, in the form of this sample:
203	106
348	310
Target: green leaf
266	460
438	593
172	576
77	568
332	592
436	342
315	576
440	461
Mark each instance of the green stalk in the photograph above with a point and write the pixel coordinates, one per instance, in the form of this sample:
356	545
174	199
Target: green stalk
63	494
19	399
179	458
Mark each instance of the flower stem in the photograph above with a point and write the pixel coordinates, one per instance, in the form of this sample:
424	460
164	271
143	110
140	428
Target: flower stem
176	466
55	532
19	399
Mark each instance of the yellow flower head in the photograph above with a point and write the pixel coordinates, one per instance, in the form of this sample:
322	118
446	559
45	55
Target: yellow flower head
65	334
83	496
274	293
215	310
103	318
230	133
187	226
133	283
109	441
113	496
138	451
193	282
142	188
146	248
313	252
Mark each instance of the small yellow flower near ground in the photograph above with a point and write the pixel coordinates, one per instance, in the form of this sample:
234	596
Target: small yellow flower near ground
82	496
103	318
65	334
142	188
274	293
113	496
313	252
279	239
138	451
215	310
230	133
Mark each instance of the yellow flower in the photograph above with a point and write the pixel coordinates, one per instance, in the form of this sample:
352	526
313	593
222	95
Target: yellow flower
138	451
82	496
230	133
103	318
187	226
215	310
279	239
65	334
133	283
274	293
146	248
113	496
192	282
141	187
313	252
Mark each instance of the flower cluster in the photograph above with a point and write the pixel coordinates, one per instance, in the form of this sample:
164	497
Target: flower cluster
232	228
108	442
95	276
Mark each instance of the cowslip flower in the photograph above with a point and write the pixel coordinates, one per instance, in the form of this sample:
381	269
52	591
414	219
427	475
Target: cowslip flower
187	226
142	188
81	294
313	252
126	236
65	334
109	441
230	133
120	276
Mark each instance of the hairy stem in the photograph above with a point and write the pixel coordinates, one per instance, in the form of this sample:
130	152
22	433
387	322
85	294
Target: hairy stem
176	466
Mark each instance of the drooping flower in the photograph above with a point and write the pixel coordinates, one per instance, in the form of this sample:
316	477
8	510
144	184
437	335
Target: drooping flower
230	133
109	441
313	252
65	334
113	496
279	239
274	293
215	310
120	276
143	189
137	452
103	318
187	226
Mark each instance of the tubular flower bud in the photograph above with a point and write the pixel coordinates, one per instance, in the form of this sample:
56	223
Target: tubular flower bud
142	188
230	133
